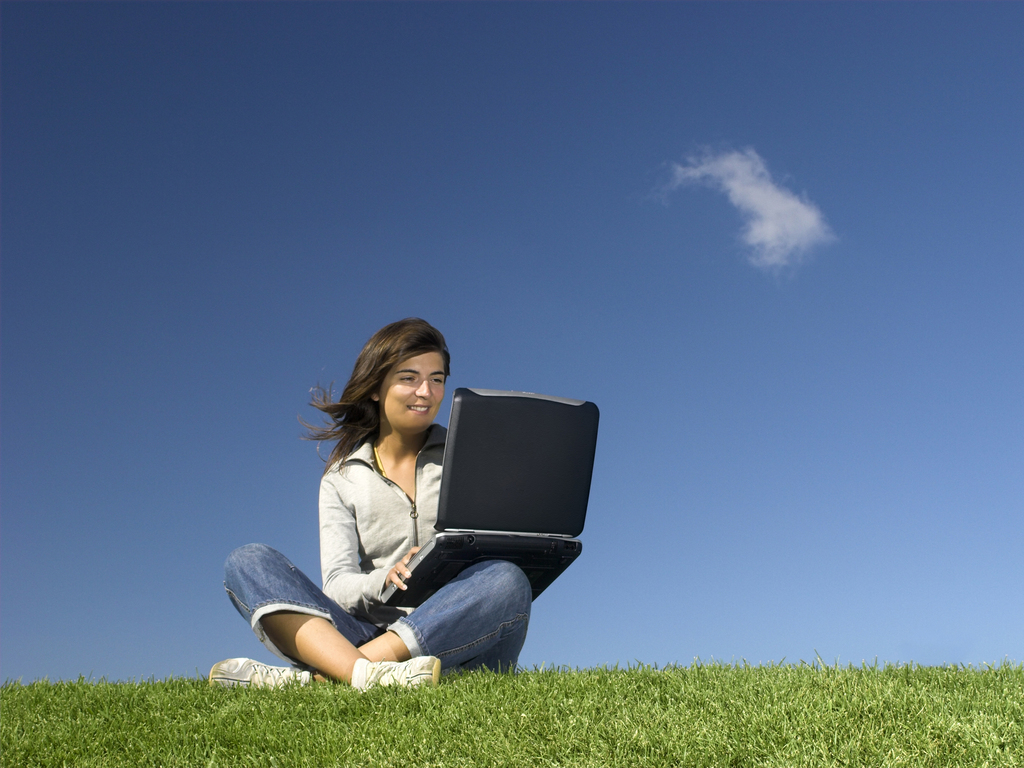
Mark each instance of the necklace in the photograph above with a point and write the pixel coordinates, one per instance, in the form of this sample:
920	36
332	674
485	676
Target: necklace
380	464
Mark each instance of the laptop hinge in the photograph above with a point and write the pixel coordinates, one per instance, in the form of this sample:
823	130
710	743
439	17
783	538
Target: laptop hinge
508	533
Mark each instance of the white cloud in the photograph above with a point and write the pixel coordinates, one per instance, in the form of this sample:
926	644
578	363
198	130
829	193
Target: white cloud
780	226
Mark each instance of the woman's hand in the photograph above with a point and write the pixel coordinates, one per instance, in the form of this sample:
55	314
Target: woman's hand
400	572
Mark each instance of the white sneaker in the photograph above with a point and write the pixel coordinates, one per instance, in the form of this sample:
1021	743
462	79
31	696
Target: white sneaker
422	670
232	672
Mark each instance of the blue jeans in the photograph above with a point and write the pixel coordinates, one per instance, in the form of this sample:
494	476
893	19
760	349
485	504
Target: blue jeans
479	619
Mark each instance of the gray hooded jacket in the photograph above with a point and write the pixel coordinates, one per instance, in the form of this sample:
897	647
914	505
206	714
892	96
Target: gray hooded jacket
368	523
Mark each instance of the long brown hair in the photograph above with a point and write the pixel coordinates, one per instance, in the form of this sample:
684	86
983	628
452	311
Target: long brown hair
356	416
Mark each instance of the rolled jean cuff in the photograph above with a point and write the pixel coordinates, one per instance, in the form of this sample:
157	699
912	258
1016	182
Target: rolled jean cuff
268	608
408	634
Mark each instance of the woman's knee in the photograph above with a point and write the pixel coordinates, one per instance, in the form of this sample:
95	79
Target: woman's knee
245	559
508	579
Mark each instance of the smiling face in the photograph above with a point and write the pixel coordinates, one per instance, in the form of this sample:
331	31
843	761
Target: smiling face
411	394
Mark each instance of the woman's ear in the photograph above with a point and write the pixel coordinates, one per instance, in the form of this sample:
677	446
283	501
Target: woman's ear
375	397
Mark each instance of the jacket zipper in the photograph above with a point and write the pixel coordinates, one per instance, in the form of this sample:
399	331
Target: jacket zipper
415	526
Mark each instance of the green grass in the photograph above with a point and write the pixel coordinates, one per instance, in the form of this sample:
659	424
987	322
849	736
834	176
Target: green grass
703	715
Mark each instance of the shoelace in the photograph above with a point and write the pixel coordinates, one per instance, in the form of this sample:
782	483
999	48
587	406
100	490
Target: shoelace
390	673
274	675
394	673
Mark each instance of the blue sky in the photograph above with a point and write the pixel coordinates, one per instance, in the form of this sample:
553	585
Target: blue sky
779	245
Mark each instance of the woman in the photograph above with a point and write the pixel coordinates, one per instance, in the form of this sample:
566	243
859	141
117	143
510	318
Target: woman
378	504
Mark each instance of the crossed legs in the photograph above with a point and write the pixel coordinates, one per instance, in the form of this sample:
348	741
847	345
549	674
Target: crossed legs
478	619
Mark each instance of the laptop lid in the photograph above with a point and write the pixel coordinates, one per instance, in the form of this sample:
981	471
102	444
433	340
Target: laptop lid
518	462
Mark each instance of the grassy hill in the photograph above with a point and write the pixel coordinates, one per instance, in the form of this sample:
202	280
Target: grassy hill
703	715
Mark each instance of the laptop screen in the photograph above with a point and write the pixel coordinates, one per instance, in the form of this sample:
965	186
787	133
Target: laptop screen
519	462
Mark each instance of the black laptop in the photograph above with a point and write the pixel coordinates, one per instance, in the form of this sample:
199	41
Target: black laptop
514	486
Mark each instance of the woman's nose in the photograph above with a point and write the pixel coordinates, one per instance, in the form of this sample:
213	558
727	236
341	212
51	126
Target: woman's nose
424	390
